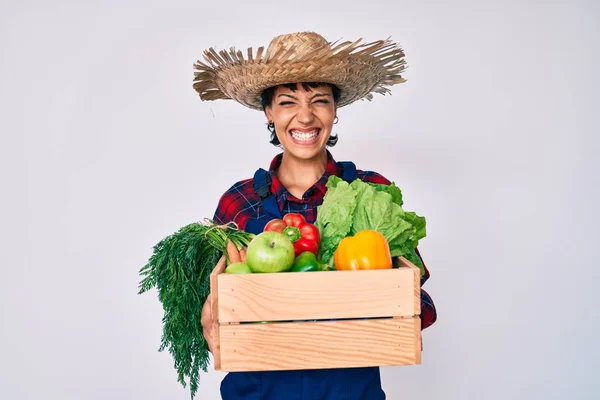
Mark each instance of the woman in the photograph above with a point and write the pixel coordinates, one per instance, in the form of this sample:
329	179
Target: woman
299	84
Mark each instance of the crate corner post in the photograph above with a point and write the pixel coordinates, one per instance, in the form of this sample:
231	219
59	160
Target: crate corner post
214	290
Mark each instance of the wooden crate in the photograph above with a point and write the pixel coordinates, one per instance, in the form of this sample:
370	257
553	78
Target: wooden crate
315	320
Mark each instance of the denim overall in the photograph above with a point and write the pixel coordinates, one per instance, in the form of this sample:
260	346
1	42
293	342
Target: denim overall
323	384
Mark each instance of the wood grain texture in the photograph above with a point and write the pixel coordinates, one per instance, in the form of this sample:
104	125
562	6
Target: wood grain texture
404	263
214	301
290	296
214	287
316	345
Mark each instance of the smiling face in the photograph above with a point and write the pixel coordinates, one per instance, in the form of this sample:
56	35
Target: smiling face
303	119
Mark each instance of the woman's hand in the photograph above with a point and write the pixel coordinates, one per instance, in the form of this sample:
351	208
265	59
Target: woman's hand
207	323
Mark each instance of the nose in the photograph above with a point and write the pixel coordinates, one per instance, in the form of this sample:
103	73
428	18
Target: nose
305	114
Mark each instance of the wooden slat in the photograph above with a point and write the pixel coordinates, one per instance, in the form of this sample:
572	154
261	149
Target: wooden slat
214	297
318	295
417	279
315	345
216	272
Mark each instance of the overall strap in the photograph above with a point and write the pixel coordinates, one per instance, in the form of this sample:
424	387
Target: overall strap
262	183
348	171
262	186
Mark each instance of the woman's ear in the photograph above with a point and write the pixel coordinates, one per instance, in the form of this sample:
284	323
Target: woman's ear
269	114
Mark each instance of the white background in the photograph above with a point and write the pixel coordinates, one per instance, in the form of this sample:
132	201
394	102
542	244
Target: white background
106	149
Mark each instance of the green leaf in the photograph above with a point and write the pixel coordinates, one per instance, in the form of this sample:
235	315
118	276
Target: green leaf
334	216
180	268
392	189
375	210
418	224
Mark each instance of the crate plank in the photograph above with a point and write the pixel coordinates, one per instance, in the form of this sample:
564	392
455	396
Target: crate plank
214	287
323	344
318	295
403	262
214	301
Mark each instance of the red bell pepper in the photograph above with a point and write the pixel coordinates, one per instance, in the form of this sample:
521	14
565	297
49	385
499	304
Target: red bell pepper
304	235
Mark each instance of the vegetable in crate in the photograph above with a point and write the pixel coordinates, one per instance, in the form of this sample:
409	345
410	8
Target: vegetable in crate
350	208
307	262
368	249
304	235
179	269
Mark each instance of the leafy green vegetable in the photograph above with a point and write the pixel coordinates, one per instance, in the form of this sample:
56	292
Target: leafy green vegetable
349	208
180	270
332	220
392	189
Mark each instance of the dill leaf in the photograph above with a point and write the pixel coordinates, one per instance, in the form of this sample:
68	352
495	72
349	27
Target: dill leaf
179	268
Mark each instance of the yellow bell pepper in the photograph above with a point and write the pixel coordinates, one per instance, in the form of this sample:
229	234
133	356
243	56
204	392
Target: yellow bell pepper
367	249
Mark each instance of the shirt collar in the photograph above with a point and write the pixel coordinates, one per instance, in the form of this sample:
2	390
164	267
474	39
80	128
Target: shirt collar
332	168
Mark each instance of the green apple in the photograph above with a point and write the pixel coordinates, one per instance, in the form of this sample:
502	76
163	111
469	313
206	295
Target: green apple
270	252
238	268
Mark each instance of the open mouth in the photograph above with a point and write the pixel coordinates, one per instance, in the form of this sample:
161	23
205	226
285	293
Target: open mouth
305	136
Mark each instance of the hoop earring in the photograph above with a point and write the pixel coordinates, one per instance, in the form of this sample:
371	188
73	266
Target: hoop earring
335	120
271	126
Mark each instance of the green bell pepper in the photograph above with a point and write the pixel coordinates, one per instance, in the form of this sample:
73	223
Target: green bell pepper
307	262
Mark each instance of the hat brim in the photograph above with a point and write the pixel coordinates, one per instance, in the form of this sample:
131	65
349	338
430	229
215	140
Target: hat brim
358	70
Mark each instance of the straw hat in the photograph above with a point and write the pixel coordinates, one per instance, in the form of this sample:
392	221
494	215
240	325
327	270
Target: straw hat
358	70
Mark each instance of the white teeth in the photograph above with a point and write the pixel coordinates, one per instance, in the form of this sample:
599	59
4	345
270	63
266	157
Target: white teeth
304	135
